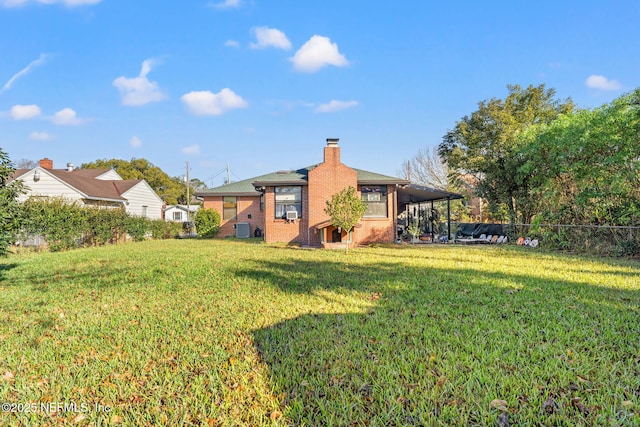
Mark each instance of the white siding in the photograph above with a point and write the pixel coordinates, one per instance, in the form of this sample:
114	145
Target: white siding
47	186
143	195
110	175
169	211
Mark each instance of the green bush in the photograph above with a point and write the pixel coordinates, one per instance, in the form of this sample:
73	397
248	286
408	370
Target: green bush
165	229
67	225
137	227
105	226
62	224
207	223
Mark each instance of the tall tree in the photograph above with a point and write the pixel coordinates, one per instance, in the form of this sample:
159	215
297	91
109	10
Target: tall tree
427	168
26	164
9	207
486	145
586	165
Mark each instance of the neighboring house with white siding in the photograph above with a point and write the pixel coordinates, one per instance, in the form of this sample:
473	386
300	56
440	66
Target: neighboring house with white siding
178	213
90	187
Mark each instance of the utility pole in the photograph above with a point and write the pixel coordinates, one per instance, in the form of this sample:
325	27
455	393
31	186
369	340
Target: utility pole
188	195
228	174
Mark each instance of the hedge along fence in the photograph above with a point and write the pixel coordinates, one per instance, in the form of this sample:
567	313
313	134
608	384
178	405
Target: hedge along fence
608	240
596	239
65	225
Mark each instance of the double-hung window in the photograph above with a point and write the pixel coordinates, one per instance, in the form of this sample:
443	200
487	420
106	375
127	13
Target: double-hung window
375	196
288	199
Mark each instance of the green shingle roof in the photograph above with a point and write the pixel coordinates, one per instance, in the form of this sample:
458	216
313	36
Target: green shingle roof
297	177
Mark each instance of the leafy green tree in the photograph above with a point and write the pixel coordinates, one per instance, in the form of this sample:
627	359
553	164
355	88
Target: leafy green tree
486	145
9	207
345	209
586	165
207	223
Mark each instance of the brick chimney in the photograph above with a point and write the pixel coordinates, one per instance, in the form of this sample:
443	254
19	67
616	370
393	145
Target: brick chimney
332	152
46	163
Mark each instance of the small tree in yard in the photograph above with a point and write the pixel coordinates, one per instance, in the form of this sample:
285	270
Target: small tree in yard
345	209
207	222
9	207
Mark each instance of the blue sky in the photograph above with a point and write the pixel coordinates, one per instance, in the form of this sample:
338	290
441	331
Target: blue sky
261	84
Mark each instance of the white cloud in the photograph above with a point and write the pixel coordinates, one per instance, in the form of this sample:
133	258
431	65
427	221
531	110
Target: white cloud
335	105
206	103
40	136
192	149
66	117
135	142
24	112
270	37
41	60
226	4
136	91
232	43
596	81
70	3
316	53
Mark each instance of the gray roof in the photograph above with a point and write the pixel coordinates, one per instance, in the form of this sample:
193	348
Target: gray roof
246	187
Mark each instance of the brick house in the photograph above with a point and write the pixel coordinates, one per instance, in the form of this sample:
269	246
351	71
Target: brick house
288	206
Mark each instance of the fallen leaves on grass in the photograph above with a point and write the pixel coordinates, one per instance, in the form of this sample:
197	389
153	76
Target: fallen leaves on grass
550	406
577	403
8	376
499	404
275	415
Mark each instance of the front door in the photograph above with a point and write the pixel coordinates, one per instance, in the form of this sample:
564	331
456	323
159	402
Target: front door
336	236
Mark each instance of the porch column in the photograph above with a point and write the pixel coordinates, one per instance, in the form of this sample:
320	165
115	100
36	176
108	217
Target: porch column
448	219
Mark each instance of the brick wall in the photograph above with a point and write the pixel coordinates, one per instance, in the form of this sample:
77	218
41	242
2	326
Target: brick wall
378	229
247	205
325	180
280	230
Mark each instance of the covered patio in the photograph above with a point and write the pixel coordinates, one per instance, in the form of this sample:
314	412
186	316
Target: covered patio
416	196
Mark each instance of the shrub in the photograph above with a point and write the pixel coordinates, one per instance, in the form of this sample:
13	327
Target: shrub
105	225
137	227
207	223
62	224
165	229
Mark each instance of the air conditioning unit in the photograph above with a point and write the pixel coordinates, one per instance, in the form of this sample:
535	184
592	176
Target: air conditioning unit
292	215
243	230
372	197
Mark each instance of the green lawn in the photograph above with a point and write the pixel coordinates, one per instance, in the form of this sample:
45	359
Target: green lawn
189	332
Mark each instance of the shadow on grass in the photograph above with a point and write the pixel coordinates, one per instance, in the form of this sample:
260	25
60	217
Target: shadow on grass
6	267
437	346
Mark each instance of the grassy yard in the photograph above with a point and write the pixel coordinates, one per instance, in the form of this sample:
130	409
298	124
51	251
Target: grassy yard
241	333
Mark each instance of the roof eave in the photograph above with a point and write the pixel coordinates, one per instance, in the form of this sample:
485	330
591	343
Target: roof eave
273	183
383	182
227	193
